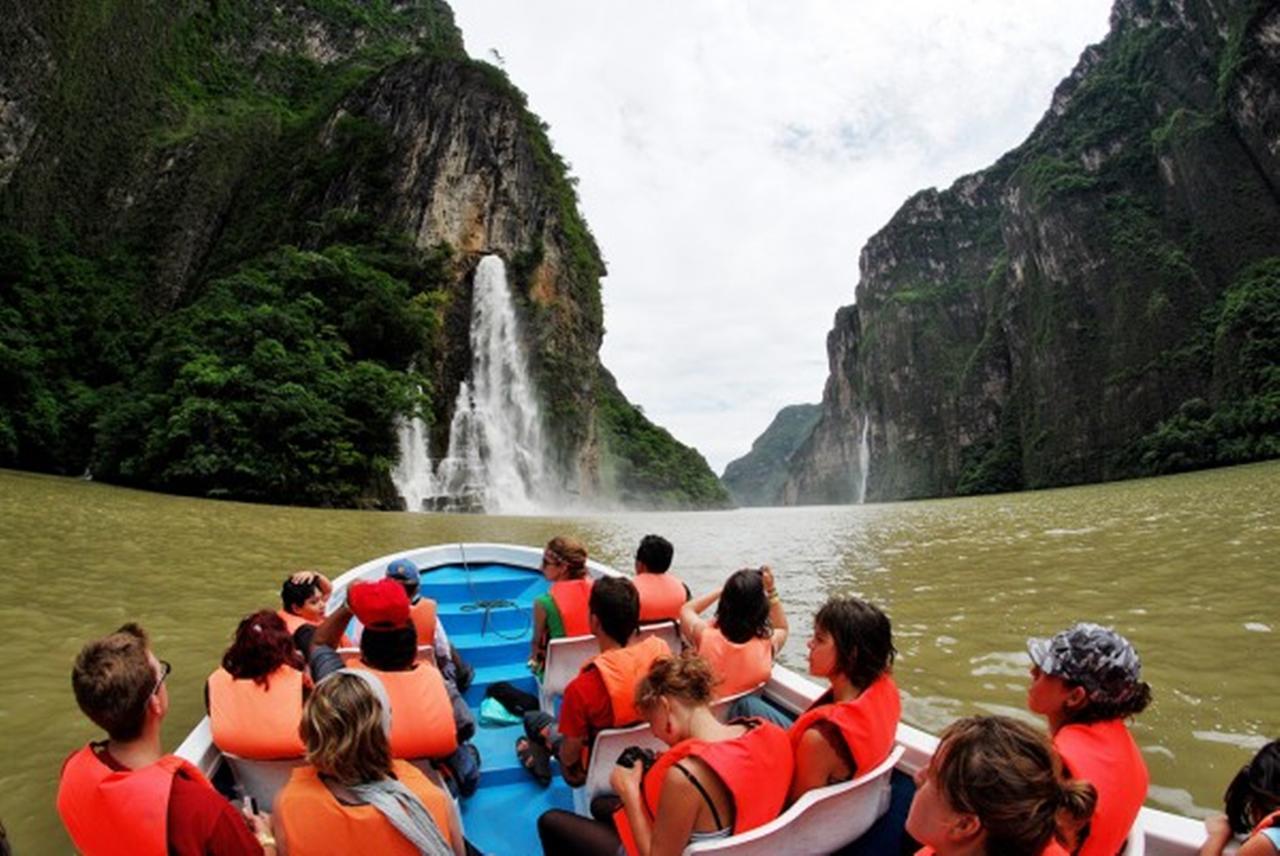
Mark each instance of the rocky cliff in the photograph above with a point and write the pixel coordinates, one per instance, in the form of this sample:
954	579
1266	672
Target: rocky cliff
758	476
239	240
1103	302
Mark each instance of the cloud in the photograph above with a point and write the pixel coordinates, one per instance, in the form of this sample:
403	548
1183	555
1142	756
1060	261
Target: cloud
735	155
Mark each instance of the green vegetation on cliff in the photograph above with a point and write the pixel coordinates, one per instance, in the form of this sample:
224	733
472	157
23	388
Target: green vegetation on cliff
209	285
757	477
646	464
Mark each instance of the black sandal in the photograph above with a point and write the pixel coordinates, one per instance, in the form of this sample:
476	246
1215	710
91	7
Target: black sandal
536	759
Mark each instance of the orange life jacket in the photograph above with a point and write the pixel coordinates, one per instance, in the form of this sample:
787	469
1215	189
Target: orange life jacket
661	596
423	614
571	598
256	722
868	723
622	669
293	622
1105	754
1267	822
756	768
119	812
313	821
737	666
422	723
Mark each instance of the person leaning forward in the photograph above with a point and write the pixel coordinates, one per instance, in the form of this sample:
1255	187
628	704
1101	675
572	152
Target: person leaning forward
123	795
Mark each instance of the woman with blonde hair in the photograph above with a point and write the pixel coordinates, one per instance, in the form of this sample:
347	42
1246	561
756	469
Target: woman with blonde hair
996	786
562	611
717	779
352	797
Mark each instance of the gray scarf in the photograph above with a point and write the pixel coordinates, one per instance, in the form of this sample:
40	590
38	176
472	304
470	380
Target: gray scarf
399	805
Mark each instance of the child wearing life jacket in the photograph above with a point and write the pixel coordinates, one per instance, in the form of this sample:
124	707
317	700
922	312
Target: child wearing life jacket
353	797
994	786
255	698
303	597
850	728
1253	808
717	779
1086	681
562	611
662	593
749	630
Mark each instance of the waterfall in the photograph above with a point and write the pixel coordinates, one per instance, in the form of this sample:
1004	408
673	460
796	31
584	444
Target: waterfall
496	460
412	475
864	459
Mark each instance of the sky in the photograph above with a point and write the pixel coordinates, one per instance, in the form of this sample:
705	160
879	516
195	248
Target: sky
733	157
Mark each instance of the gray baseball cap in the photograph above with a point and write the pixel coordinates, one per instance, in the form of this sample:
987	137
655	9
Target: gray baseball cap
1095	657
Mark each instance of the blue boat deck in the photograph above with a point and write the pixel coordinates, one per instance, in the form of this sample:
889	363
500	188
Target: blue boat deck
487	612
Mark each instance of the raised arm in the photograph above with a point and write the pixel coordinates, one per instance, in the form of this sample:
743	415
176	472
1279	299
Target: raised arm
691	622
777	616
330	630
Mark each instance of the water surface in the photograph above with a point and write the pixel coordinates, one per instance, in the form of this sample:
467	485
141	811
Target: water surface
1188	567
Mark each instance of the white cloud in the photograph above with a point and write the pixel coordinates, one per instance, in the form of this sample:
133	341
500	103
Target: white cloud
735	156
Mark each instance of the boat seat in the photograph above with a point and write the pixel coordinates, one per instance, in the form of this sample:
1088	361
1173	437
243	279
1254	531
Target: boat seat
262	780
567	655
821	821
720	707
608	745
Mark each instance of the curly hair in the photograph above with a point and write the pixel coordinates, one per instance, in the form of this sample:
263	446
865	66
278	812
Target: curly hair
743	611
863	638
1008	775
342	727
1255	791
687	678
262	644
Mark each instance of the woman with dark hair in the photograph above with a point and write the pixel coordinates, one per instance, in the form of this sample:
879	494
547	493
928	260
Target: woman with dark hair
749	630
562	611
851	727
995	786
1253	808
352	797
1086	681
717	779
255	698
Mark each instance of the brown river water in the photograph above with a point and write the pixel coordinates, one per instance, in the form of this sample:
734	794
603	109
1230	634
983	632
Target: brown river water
1187	566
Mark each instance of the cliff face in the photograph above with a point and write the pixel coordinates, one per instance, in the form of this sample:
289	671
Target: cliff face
757	477
1064	316
306	188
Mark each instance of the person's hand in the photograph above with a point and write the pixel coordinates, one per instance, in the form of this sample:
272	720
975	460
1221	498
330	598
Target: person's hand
1219	828
625	781
303	578
767	573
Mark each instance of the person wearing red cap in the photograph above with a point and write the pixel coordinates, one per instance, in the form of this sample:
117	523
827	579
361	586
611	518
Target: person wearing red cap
424	699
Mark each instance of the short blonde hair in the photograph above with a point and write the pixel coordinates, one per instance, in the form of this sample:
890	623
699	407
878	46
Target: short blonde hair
113	680
342	727
572	552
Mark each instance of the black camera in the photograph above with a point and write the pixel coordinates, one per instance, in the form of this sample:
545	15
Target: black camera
632	754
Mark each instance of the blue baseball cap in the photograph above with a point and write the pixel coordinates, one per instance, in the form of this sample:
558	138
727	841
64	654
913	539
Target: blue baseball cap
403	570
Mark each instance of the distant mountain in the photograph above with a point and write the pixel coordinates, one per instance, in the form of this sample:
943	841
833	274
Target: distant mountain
1103	302
757	477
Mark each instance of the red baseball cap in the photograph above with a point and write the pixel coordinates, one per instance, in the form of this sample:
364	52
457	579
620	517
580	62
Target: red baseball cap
379	604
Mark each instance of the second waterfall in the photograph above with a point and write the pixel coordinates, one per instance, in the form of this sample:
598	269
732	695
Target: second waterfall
496	460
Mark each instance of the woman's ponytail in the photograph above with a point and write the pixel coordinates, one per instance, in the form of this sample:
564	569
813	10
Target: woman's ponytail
1076	802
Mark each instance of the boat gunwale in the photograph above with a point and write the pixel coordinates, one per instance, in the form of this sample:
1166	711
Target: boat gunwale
1164	833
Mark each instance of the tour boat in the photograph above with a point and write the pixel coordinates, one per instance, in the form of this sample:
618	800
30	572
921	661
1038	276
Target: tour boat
485	598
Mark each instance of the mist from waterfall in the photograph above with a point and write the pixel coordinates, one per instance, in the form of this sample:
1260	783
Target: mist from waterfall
864	458
496	460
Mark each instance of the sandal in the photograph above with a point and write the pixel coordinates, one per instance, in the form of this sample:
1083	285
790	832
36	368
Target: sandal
536	759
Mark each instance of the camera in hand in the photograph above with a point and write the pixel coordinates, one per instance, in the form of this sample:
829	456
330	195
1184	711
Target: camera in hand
632	754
